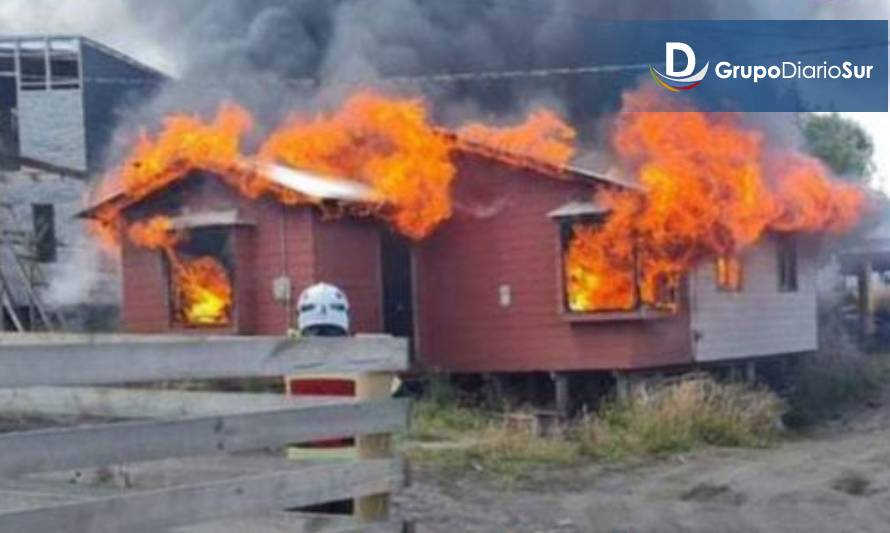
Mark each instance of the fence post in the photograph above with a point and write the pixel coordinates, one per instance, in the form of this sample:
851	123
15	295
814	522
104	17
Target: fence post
373	387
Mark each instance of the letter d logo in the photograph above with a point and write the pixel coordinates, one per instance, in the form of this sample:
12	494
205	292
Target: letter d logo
675	80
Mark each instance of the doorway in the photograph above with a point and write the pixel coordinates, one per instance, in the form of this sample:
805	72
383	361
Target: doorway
398	297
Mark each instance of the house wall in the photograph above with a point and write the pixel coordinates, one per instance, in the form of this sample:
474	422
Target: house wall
347	253
51	127
144	291
500	235
281	240
760	320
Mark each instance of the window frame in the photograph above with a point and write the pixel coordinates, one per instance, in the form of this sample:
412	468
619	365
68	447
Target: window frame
640	311
45	245
63	51
192	248
728	285
788	264
30	54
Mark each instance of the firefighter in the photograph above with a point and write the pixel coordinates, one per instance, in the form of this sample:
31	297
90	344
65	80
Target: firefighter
322	311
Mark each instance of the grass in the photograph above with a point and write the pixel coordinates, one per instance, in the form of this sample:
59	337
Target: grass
673	418
826	384
508	454
435	422
683	416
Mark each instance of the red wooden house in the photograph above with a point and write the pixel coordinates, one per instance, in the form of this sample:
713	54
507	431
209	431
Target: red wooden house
483	293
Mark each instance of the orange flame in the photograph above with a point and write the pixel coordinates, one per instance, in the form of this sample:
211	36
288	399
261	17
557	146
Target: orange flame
389	144
711	188
204	291
542	138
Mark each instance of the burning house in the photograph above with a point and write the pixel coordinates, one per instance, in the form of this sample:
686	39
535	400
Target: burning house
212	260
485	245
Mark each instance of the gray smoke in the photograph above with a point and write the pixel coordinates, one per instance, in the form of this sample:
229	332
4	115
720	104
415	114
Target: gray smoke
247	51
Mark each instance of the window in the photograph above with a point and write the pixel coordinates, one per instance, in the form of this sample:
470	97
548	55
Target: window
787	254
32	61
599	277
64	64
7	59
200	277
44	218
728	273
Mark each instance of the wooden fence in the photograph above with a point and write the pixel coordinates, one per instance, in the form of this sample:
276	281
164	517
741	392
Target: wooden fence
181	429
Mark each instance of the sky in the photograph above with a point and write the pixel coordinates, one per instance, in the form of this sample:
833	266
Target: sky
150	33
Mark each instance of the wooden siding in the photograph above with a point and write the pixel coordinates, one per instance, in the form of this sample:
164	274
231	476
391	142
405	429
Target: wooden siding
145	299
500	235
760	320
295	241
347	254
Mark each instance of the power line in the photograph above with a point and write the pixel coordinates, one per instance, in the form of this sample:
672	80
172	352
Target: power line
453	77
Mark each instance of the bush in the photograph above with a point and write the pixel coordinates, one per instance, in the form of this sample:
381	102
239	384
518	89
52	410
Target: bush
682	416
675	417
825	384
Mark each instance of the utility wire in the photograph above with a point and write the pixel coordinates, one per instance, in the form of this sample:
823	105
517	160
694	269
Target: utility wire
454	77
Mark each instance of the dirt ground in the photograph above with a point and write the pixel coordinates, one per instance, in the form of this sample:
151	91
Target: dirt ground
836	479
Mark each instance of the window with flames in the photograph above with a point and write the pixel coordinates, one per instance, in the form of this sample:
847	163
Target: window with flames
728	273
599	278
200	279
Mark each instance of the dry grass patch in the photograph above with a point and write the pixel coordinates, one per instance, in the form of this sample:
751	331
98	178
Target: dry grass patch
674	417
681	416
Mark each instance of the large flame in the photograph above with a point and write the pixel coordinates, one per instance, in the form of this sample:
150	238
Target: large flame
542	138
710	187
388	145
202	290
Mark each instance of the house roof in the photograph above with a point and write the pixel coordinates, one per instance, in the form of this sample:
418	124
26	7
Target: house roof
569	171
204	219
302	182
14	38
351	191
575	208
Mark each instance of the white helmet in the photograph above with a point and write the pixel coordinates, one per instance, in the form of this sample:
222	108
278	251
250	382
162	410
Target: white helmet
323	310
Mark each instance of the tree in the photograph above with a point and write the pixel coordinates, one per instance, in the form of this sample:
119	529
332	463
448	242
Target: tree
840	143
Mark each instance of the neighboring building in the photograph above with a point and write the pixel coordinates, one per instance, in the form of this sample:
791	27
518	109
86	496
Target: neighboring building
60	97
484	292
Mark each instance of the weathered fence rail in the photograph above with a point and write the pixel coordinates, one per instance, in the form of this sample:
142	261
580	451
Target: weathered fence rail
178	424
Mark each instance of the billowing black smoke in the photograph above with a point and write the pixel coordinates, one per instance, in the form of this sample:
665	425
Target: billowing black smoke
251	51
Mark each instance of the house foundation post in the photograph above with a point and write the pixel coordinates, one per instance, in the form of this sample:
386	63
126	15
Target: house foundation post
562	392
622	387
751	372
866	315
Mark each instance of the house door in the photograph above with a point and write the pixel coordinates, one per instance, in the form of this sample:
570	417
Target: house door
398	301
